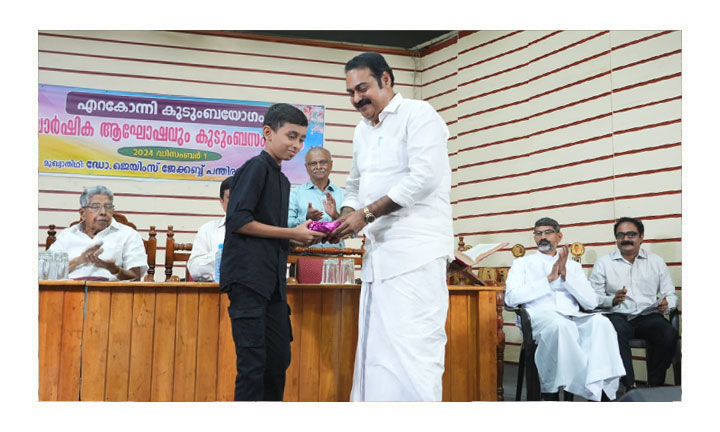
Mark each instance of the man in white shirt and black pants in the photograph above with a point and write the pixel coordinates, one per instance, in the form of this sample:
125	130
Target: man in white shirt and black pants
399	191
637	286
201	264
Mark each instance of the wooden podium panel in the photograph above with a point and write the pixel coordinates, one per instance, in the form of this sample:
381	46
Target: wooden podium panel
171	341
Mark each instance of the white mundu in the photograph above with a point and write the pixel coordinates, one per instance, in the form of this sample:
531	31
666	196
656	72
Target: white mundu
577	351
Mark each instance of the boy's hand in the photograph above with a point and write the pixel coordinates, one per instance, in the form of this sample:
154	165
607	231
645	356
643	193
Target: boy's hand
305	236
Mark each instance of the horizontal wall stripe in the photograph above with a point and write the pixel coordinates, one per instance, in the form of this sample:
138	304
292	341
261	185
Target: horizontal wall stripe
304	42
517	49
567	225
571	204
572	84
197	65
210	50
438	46
128	212
535	78
439	79
136	195
497	39
338	141
341	125
440	94
575	183
644	39
446	108
438	64
157	78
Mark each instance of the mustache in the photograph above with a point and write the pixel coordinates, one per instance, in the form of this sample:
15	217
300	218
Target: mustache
627	243
362	102
544	242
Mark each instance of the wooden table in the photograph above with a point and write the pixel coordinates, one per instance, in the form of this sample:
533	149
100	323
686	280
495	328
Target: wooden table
171	341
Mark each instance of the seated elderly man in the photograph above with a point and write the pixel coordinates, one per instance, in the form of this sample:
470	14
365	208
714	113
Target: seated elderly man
577	351
99	246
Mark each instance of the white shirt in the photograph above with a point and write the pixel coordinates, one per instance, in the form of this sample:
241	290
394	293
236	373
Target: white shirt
527	285
201	264
404	157
646	280
118	241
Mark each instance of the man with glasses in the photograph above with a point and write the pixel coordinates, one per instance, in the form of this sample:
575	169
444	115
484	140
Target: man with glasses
319	198
99	246
636	286
577	351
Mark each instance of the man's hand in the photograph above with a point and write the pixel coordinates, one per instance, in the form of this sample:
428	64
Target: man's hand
662	307
620	296
562	259
313	213
304	236
329	206
349	224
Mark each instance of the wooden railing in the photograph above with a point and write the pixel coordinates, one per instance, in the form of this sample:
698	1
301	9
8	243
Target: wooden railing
171	341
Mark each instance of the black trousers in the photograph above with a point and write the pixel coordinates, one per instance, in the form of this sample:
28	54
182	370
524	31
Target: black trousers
658	332
262	334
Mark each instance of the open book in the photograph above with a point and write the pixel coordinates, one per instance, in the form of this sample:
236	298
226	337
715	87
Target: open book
477	253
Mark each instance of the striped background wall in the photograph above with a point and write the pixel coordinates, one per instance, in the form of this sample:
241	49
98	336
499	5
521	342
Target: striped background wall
581	126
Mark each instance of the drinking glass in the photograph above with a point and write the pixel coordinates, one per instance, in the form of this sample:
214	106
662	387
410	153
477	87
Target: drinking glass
331	268
44	262
63	264
347	271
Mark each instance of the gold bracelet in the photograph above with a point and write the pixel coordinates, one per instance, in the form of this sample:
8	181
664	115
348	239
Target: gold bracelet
116	274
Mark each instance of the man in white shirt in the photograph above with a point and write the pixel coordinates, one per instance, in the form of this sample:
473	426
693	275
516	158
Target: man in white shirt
201	264
636	285
399	191
99	246
576	351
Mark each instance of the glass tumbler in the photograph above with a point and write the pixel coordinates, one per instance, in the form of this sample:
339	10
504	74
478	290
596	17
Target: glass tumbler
63	263
331	267
347	271
44	263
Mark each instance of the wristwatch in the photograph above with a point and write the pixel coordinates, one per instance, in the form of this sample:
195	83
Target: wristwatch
369	217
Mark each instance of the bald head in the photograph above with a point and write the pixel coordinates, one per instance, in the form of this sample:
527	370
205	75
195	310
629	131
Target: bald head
325	154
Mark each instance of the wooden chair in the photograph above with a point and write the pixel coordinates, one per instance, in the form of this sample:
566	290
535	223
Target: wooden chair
175	252
150	244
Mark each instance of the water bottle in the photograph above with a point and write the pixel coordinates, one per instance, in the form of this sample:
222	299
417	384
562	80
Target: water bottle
218	258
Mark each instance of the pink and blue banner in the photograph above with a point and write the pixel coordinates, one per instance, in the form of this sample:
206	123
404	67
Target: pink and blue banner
120	134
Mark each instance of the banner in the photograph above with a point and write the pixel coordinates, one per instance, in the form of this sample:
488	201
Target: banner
119	134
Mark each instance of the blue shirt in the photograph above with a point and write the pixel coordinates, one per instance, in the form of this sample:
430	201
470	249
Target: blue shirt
306	193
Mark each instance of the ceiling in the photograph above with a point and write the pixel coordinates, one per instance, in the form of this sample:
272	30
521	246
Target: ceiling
405	39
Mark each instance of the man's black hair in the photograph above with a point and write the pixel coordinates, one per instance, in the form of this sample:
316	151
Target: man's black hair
546	221
279	114
637	222
225	185
373	61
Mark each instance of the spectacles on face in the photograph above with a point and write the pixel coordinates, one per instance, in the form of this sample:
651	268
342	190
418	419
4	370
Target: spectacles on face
97	207
629	234
313	164
546	232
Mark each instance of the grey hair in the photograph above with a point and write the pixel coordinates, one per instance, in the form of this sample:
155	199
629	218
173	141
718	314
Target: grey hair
317	149
89	192
546	221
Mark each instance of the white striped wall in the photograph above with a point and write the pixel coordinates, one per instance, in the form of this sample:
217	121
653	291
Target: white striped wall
581	126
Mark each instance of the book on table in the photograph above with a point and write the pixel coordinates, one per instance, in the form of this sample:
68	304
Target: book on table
477	253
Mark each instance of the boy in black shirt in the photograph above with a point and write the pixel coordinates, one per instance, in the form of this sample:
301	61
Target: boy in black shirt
254	258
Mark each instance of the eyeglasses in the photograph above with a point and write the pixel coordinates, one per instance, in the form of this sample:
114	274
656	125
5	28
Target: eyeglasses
630	234
546	232
316	163
97	207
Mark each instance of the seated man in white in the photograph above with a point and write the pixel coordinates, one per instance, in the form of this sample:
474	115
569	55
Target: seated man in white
201	264
99	246
577	352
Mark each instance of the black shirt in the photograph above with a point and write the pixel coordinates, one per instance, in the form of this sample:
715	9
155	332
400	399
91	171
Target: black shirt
259	192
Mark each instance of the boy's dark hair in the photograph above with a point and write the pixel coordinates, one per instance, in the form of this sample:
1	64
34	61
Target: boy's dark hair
279	114
225	185
373	61
546	221
637	222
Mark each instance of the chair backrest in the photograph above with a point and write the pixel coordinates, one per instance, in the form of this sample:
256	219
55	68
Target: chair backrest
175	252
150	244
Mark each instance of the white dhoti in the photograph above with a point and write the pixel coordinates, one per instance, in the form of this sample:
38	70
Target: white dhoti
576	353
400	354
